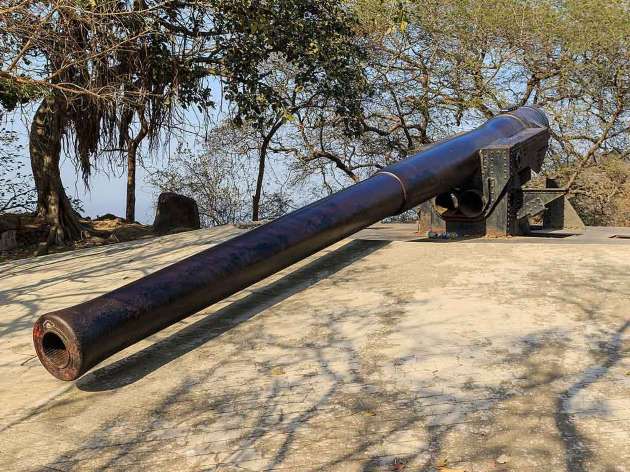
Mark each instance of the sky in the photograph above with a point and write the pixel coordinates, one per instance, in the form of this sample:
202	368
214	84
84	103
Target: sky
107	193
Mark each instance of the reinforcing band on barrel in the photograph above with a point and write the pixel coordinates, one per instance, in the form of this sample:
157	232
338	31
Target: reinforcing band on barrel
402	187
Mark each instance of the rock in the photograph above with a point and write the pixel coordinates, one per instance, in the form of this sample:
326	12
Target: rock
107	216
175	211
20	230
9	221
8	240
503	459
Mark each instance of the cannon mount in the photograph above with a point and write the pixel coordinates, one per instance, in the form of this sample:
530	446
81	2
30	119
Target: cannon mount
495	202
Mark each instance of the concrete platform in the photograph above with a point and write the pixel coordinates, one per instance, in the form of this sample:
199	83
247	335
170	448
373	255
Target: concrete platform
384	352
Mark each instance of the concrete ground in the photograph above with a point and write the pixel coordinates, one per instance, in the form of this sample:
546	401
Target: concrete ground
384	352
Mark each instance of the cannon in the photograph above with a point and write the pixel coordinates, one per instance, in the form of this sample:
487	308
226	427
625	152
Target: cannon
474	177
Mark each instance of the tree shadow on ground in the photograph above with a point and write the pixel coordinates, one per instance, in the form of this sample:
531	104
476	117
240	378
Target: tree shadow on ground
137	258
205	422
577	452
142	363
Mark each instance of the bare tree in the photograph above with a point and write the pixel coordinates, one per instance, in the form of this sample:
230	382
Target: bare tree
102	68
219	177
439	67
71	58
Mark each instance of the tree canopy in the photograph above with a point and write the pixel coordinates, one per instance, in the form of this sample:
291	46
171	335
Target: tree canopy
333	89
104	67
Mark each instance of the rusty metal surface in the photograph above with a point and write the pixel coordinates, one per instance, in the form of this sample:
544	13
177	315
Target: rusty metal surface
69	342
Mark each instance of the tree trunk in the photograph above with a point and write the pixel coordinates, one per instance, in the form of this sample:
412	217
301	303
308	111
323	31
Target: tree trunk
261	168
259	183
130	214
132	158
53	205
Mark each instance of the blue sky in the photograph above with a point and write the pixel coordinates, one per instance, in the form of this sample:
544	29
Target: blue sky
107	191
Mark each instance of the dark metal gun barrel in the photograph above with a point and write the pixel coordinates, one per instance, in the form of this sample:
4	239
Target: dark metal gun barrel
71	341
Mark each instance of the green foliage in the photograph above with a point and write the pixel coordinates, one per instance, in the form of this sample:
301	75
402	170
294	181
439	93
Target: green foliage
12	95
117	60
316	38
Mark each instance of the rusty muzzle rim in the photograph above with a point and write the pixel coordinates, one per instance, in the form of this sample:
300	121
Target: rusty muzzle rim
55	351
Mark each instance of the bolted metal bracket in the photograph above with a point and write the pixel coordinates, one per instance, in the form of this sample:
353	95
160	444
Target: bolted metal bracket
505	167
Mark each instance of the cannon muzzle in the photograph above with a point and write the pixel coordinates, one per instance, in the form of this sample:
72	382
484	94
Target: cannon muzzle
71	341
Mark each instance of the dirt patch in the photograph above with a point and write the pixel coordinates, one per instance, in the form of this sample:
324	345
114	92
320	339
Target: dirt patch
24	235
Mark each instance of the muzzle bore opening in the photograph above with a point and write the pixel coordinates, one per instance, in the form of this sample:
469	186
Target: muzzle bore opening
446	202
55	351
471	203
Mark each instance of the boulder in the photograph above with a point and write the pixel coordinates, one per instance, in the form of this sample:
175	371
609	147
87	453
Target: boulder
8	240
107	216
13	221
21	230
175	211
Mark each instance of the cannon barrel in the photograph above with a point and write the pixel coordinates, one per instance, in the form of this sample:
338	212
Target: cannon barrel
69	342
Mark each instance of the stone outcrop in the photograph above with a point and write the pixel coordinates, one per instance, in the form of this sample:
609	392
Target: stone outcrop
175	211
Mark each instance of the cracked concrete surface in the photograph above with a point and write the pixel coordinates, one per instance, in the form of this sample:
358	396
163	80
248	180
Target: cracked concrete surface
379	353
